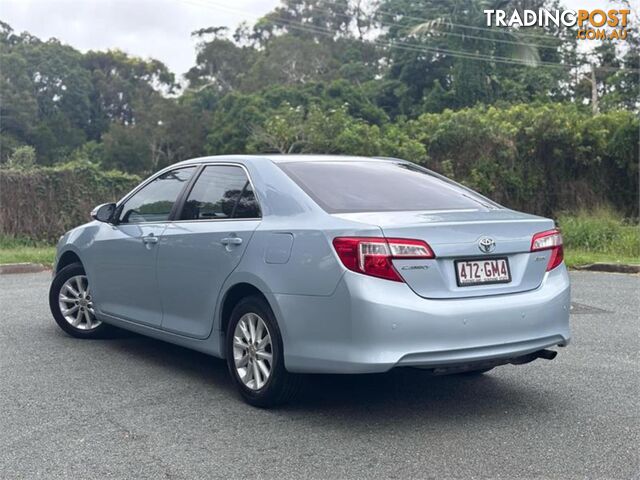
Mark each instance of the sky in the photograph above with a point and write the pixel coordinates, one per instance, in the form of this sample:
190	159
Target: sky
146	28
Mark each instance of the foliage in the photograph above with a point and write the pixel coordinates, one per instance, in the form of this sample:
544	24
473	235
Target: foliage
296	130
56	98
385	62
575	258
600	231
23	157
43	202
21	250
447	58
538	158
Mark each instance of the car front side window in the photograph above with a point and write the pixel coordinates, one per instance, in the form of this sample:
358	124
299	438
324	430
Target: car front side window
154	202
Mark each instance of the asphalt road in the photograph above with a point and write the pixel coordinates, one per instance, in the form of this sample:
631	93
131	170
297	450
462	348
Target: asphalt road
133	407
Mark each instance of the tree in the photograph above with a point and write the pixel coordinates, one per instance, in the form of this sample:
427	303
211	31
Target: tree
221	64
19	107
283	131
296	130
165	132
313	19
46	94
452	50
119	82
290	60
618	81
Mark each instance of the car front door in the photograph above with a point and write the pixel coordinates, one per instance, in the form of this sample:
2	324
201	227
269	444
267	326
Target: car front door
203	246
124	282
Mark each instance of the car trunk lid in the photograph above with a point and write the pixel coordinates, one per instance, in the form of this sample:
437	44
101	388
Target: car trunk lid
455	235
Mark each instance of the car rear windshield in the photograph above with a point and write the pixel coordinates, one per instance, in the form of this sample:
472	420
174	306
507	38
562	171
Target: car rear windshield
377	186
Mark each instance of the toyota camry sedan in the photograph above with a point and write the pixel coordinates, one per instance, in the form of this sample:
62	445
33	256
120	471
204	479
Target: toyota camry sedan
289	265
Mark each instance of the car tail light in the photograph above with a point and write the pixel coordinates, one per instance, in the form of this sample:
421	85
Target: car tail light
549	240
373	255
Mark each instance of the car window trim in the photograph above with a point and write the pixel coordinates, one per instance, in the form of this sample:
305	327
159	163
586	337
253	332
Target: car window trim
191	184
133	192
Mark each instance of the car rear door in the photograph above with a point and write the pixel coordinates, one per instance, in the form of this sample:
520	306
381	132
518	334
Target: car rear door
124	255
205	243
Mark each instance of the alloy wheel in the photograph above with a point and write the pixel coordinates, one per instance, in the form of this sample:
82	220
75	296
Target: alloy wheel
252	351
76	304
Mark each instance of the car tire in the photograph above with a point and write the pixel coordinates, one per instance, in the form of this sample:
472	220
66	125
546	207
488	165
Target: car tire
70	289
250	352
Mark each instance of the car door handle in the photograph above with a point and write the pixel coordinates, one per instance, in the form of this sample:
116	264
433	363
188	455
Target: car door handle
231	241
150	239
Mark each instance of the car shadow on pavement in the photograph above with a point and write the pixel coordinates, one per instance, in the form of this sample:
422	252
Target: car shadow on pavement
407	394
179	361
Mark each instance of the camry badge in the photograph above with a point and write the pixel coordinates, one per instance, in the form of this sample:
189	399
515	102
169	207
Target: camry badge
486	245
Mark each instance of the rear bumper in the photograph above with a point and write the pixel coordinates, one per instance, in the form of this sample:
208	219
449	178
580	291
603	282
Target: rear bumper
371	325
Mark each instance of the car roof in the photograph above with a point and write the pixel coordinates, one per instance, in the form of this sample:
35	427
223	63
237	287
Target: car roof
288	158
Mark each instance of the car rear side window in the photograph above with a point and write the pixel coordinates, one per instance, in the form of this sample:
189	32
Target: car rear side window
154	201
376	186
221	192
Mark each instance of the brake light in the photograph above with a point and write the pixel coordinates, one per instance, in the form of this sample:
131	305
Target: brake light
373	255
549	240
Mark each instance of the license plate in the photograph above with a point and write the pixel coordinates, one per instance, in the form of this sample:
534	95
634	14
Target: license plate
482	272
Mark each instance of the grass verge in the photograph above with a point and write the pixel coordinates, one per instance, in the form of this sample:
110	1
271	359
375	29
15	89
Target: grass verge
599	236
42	255
576	258
18	250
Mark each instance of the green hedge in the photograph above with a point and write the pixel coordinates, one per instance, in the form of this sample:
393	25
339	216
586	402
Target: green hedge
538	158
43	203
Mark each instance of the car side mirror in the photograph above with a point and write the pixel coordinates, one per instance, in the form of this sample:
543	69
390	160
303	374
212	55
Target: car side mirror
104	212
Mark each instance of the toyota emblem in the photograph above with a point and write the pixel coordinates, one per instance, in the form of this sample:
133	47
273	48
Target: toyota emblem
486	245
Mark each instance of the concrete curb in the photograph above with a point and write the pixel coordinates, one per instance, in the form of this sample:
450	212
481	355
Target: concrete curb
610	267
11	268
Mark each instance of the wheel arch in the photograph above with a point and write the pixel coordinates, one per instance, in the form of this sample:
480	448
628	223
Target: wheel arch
67	258
231	298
